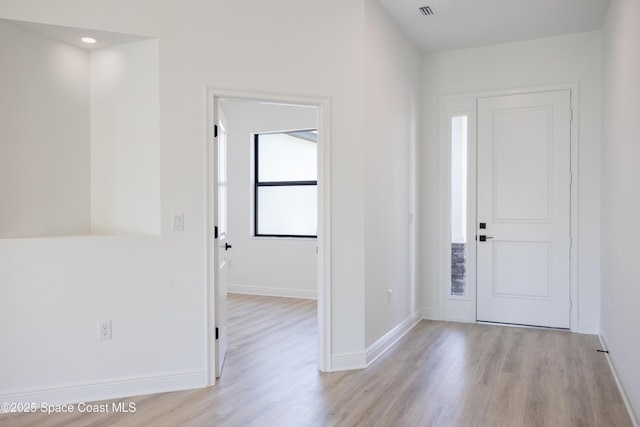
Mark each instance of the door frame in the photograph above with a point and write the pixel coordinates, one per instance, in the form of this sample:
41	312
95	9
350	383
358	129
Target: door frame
323	104
463	309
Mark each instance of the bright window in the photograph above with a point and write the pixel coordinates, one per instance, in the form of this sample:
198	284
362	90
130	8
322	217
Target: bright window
286	184
459	205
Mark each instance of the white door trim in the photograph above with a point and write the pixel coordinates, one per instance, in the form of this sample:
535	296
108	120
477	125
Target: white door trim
323	104
468	314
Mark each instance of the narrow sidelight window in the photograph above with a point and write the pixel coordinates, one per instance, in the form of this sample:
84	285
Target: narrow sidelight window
459	205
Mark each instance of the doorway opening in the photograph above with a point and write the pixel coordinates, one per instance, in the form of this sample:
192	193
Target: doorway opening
247	115
519	149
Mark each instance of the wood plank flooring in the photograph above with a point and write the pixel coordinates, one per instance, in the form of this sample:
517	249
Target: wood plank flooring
440	374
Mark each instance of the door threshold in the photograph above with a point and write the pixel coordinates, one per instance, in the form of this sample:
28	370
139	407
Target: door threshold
517	325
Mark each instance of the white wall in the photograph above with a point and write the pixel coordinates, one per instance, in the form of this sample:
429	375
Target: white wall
125	145
620	200
258	265
392	116
566	59
44	135
55	291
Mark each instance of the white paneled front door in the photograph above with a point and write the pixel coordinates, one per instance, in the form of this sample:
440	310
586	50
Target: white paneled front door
523	209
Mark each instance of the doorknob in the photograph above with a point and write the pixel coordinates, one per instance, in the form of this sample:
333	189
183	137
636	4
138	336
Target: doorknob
485	238
227	246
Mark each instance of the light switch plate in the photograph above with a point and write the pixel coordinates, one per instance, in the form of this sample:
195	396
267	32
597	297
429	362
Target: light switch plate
177	222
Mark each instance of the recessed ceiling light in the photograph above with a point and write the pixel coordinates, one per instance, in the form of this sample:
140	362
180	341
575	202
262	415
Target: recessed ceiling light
88	40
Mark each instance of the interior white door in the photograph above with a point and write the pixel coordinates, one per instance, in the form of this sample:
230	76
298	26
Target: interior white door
523	200
221	247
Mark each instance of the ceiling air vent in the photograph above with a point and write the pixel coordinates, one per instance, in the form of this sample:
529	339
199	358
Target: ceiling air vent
426	10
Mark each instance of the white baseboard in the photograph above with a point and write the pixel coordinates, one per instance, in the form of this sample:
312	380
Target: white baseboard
272	292
390	338
431	313
625	398
106	390
590	328
348	361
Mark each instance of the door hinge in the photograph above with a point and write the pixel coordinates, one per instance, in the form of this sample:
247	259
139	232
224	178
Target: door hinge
570	305
570	177
215	232
216	332
215	131
570	241
570	115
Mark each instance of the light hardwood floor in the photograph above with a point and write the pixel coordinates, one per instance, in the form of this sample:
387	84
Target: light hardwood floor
440	374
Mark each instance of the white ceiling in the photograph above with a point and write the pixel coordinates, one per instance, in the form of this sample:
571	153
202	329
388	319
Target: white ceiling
460	24
73	35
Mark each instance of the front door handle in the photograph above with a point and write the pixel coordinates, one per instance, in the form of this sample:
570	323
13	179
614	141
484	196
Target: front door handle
485	238
227	246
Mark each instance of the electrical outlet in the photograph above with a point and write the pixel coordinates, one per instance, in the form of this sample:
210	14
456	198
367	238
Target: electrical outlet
389	292
105	330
